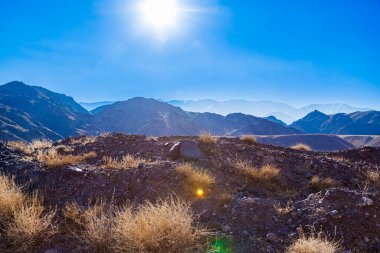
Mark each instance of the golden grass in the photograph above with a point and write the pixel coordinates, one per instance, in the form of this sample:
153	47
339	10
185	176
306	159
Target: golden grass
29	148
11	197
163	227
320	184
302	147
267	176
30	226
207	138
55	160
283	210
250	139
314	244
373	176
195	177
127	161
83	140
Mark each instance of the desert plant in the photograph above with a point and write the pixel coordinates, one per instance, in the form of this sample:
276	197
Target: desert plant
301	147
22	146
196	177
267	176
373	176
127	161
40	144
320	184
54	160
314	244
163	227
283	210
207	138
29	226
11	197
248	139
225	197
84	140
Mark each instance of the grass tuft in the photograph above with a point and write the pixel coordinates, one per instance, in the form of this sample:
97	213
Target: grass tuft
127	161
55	160
196	177
301	147
314	244
207	138
320	184
11	197
249	139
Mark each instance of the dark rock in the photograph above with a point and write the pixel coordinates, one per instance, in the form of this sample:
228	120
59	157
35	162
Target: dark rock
186	149
175	151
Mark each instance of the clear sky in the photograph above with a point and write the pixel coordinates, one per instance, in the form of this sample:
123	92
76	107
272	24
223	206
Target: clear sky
297	52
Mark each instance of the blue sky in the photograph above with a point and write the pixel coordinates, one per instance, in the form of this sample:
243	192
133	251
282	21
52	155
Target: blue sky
297	52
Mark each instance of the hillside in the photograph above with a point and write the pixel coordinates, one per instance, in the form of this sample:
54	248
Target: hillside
357	123
29	112
236	196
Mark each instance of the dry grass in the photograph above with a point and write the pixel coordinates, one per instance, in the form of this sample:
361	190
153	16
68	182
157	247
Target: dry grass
30	226
283	210
268	176
373	176
127	161
55	160
207	138
301	147
11	198
314	244
250	139
339	159
83	140
29	148
163	227
196	177
225	197
320	184
72	214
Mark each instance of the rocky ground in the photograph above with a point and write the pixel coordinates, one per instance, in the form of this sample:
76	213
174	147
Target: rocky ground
246	214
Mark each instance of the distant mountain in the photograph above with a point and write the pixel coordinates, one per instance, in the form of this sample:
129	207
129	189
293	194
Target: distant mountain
94	105
153	117
274	119
29	112
357	123
281	111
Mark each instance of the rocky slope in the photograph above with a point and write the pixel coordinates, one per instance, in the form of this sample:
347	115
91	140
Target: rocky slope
357	123
346	208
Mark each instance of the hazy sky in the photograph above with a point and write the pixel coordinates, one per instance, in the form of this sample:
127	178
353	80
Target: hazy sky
297	52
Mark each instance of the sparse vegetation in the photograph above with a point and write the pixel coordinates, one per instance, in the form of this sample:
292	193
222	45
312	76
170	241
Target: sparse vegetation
373	176
55	160
339	158
225	197
30	226
249	139
163	227
301	147
207	138
314	244
11	197
29	148
283	210
126	162
320	184
195	177
84	140
268	176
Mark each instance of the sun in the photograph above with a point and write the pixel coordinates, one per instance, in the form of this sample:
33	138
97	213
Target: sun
160	15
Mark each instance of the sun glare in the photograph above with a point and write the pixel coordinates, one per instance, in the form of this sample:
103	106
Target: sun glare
160	14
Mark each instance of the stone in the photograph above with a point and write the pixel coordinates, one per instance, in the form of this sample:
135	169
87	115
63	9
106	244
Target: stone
175	151
364	201
226	228
271	237
186	149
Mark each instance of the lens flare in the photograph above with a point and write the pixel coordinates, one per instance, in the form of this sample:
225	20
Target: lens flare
200	193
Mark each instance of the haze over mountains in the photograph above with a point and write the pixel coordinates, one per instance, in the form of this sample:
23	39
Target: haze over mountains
30	112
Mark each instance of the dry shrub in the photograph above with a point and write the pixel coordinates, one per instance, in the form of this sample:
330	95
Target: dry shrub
72	214
127	161
373	176
268	176
301	147
163	227
225	197
84	140
250	139
314	244
283	210
30	226
11	198
207	138
196	177
98	227
339	159
54	160
29	148
320	184
41	144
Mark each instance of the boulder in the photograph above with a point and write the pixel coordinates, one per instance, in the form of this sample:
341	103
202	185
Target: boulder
186	149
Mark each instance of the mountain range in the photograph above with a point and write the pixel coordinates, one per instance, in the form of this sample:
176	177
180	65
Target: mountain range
31	112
